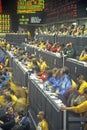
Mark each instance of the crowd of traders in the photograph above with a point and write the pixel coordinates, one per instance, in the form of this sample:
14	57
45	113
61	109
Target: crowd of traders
13	99
72	93
62	30
60	50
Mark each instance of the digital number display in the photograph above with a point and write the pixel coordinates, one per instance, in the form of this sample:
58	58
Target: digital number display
29	6
26	19
23	20
4	23
62	13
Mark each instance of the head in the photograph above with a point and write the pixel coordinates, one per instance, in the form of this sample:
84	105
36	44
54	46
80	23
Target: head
41	115
8	98
41	60
85	49
5	71
64	71
79	79
10	110
85	92
6	57
6	91
54	72
69	45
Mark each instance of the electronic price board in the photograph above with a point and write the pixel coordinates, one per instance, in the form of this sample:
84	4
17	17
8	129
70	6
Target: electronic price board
66	12
29	6
4	23
61	10
62	13
26	19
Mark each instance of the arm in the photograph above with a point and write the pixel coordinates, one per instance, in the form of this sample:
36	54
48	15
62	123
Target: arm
71	53
8	124
6	62
82	87
77	109
83	56
8	121
66	108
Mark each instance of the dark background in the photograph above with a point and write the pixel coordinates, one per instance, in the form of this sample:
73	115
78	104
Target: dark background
10	7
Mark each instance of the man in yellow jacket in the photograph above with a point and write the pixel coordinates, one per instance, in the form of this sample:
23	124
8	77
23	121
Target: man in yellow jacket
43	124
6	62
42	64
82	84
8	47
81	108
83	56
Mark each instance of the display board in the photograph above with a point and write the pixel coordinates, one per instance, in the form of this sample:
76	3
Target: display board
26	19
29	6
4	23
65	12
61	10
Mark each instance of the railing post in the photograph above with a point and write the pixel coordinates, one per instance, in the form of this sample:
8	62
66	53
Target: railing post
64	120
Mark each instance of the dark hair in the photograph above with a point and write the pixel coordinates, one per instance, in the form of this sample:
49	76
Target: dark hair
3	78
8	98
12	92
65	70
41	113
21	113
80	76
8	108
85	49
85	91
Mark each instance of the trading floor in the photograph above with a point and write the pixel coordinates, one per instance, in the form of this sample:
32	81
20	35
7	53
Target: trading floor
39	97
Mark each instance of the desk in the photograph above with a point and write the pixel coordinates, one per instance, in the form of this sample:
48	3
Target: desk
2	54
52	59
76	67
50	38
39	100
20	74
77	42
16	38
42	100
